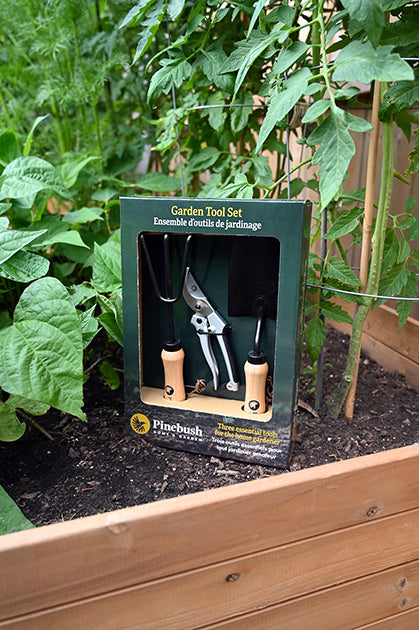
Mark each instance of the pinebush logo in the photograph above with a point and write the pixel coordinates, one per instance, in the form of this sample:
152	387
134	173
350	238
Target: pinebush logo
140	423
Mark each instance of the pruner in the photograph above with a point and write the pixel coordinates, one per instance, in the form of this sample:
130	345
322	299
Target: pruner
208	323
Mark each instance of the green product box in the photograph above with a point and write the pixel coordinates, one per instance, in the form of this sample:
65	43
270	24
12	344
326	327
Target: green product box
213	298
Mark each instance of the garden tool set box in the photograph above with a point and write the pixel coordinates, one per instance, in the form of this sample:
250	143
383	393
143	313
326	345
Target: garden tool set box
213	293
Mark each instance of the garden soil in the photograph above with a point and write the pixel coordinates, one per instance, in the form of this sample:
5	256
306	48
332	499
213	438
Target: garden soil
102	465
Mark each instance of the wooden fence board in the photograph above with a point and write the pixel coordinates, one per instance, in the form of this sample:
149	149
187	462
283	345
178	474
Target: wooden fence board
80	559
206	595
408	620
343	607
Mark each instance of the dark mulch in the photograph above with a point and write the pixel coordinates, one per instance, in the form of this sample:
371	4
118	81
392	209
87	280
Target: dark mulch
103	465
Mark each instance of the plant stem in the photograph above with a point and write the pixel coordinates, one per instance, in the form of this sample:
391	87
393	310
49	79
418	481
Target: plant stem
336	400
367	225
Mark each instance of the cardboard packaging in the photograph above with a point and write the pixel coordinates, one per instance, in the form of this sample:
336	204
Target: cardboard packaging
213	297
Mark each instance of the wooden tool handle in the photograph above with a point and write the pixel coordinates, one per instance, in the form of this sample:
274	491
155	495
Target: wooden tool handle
174	388
255	375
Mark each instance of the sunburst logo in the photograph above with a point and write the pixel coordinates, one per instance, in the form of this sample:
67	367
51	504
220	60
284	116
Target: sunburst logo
140	423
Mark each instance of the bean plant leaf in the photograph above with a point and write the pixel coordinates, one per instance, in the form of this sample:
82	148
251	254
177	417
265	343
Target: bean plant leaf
27	176
24	267
107	274
360	61
282	102
12	241
84	215
11	428
109	375
42	352
159	182
369	15
89	325
11	518
335	151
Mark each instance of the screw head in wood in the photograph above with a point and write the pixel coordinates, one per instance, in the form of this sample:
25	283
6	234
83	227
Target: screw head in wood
232	577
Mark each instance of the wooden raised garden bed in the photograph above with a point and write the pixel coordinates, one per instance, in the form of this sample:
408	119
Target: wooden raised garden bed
331	547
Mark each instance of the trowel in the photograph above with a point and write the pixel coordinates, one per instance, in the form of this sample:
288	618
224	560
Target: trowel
253	292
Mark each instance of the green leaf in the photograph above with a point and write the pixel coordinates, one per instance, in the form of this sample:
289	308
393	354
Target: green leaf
135	14
34	407
107	267
360	61
68	237
338	269
354	123
334	312
369	15
84	215
112	327
110	375
28	143
211	60
9	147
394	281
282	102
288	56
335	151
27	176
149	26
175	8
249	50
399	96
174	71
24	267
257	8
12	241
11	518
203	159
316	110
410	290
240	115
217	115
391	248
89	325
159	182
413	232
72	169
42	352
344	224
315	335
11	428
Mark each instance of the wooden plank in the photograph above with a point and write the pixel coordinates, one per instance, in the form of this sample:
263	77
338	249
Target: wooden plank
343	607
186	601
389	359
404	621
60	563
395	348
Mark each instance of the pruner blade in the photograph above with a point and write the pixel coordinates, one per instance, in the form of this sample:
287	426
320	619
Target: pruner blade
207	323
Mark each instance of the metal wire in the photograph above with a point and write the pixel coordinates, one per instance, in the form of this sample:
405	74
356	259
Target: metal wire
323	287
